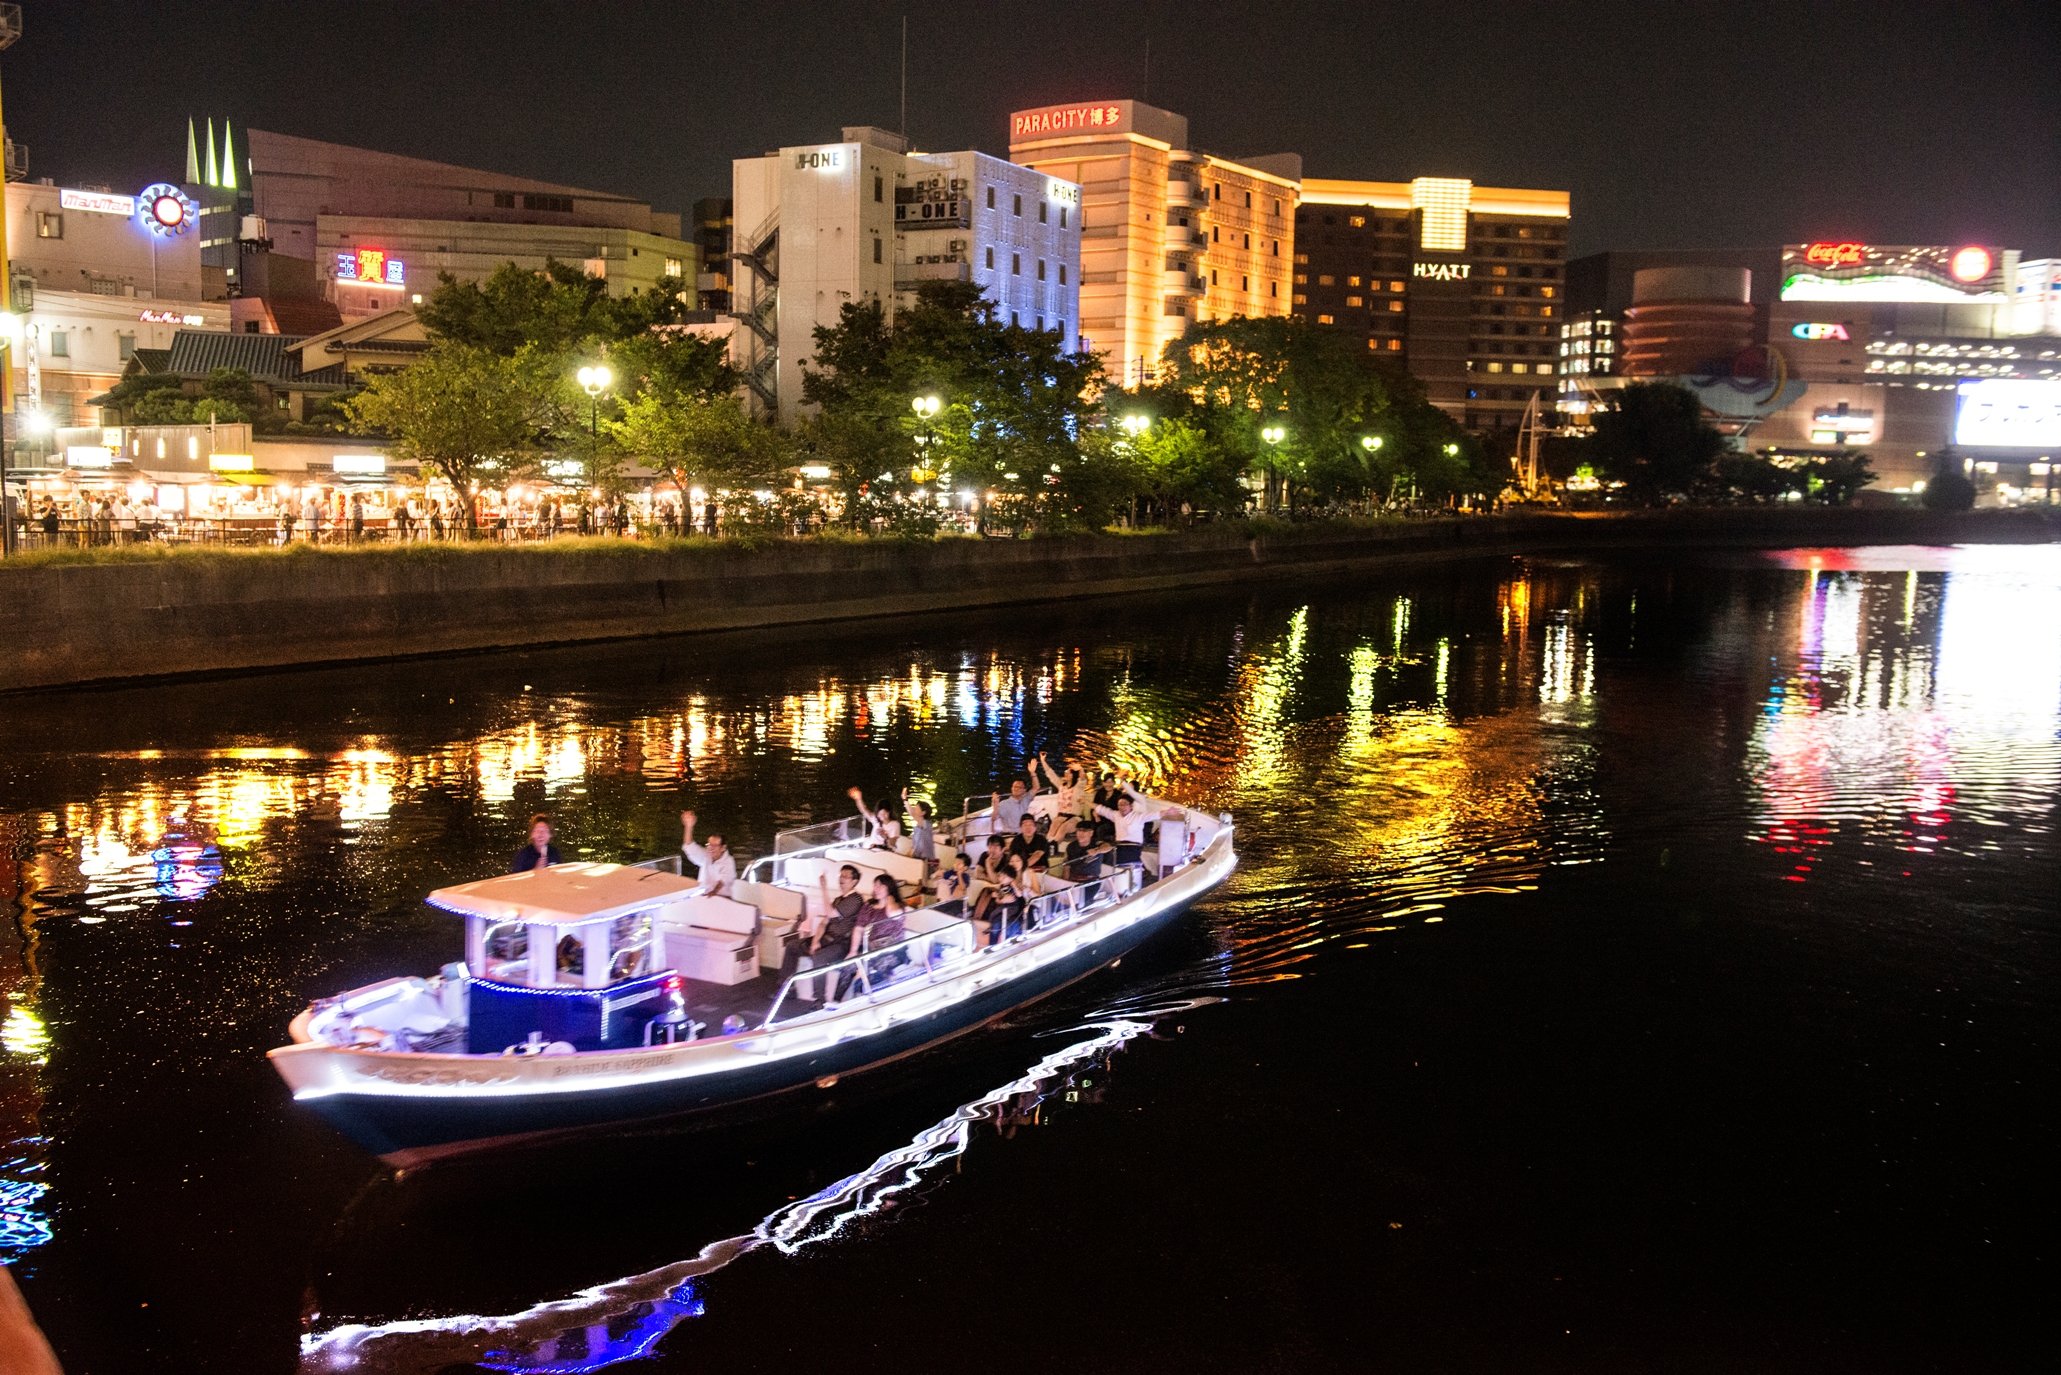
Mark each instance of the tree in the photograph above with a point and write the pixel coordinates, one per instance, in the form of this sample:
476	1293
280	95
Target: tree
1175	463
1834	478
461	411
1655	441
712	443
1950	488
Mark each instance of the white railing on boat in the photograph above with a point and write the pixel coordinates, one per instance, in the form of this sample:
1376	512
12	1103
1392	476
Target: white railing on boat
843	831
931	954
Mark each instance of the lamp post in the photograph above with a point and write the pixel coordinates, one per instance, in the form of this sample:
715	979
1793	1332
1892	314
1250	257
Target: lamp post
926	408
594	381
1135	425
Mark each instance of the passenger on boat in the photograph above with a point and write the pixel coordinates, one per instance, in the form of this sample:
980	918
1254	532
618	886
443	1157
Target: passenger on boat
880	924
718	866
1007	811
922	838
954	884
1129	823
1033	849
831	940
883	827
1084	854
540	852
1069	787
993	870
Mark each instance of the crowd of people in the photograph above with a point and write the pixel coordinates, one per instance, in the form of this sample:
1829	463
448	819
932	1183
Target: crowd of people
1096	819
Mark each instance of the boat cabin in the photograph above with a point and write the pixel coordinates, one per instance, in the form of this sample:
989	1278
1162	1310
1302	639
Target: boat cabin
576	955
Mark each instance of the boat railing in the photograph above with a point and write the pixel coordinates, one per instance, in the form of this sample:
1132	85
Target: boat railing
949	947
972	807
822	835
664	864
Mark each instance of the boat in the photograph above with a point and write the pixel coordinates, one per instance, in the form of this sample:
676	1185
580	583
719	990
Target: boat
593	995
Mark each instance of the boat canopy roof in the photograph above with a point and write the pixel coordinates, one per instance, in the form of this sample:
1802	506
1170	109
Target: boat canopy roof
564	894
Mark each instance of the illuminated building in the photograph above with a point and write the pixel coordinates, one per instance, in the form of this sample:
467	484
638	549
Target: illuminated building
1460	285
374	230
1894	345
866	219
1170	234
712	228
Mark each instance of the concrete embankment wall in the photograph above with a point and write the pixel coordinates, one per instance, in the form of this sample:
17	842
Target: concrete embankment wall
66	624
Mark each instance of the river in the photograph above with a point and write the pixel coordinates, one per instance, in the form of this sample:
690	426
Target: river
1633	964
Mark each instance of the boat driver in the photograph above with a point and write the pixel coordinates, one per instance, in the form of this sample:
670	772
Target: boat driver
540	852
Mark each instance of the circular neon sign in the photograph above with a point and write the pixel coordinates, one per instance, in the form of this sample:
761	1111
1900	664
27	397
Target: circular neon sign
166	209
1971	264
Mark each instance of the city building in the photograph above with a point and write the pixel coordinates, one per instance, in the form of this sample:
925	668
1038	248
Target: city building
1462	286
95	276
1169	234
1897	350
824	226
377	229
712	230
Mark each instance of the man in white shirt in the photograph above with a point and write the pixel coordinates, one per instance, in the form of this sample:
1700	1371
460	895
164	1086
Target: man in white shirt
1130	824
718	866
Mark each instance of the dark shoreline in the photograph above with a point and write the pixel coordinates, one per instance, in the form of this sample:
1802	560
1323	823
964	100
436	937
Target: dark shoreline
73	625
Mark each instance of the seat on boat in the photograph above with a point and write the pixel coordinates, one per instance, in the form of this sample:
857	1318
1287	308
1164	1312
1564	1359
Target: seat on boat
709	938
906	870
780	911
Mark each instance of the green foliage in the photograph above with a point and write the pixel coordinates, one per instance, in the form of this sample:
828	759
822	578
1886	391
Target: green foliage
463	411
708	442
1655	441
1014	403
1949	488
227	397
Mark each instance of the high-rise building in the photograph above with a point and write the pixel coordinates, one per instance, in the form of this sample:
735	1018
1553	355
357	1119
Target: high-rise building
712	228
1460	285
824	226
1169	234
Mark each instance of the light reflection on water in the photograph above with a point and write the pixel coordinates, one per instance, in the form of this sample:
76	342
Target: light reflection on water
1386	757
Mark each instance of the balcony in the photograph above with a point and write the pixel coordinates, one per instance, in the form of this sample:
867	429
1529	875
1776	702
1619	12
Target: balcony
1178	282
950	268
1187	193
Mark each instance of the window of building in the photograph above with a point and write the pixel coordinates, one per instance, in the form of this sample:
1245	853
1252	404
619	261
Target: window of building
1248	243
104	286
250	326
876	249
1017	201
1041	212
1302	279
50	224
60	344
1216	233
1302	300
991	198
1015	321
1059	328
561	205
1546	291
1355	302
1499	271
1038	323
1356	221
1325	320
1277	248
504	200
1212	276
1245	283
1327	279
1016	264
1396	306
1062	274
1041	269
673	268
1395	286
1302	258
1277	207
1062	217
991	259
1352	281
1219	190
1273	288
876	187
1495	367
127	344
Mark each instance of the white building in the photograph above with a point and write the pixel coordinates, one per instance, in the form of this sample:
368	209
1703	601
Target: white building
828	225
93	277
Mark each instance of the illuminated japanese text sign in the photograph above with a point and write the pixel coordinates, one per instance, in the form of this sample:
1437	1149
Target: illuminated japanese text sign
371	266
99	202
1106	118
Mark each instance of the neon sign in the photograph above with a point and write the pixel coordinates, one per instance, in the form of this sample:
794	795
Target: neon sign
1064	119
1970	264
372	267
166	317
167	210
99	202
1834	254
1813	330
1441	272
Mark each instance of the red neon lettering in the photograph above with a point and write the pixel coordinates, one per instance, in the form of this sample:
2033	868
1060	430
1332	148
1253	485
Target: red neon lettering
1834	254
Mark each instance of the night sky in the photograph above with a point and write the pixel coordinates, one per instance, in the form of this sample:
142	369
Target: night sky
1677	125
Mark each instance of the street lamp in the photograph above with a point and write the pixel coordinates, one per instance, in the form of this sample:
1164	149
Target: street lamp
1273	434
1452	450
1370	442
926	408
594	381
1137	424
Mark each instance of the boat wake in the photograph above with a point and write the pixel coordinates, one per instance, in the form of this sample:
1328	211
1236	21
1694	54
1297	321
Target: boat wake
626	1318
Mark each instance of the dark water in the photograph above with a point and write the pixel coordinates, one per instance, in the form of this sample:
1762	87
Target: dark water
1631	967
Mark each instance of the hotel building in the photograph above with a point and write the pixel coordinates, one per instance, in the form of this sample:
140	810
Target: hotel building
827	225
1462	286
1169	234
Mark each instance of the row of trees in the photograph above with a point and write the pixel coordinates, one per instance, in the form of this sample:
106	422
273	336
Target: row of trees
1273	412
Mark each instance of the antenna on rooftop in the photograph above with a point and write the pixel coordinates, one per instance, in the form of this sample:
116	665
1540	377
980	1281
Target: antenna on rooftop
905	79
